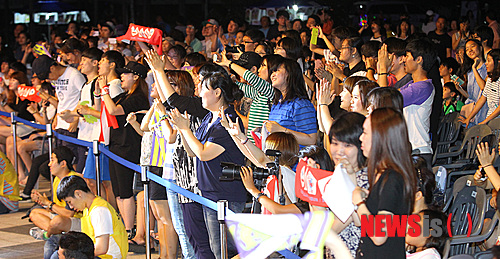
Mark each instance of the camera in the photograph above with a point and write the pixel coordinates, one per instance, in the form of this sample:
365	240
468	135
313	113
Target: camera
235	49
231	172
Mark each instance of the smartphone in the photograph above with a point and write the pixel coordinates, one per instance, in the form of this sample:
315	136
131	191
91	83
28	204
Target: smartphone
94	34
214	57
314	36
363	20
457	79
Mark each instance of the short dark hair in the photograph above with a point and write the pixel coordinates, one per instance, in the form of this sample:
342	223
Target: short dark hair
291	47
229	90
385	97
255	35
495	55
319	155
114	57
436	242
76	245
347	128
423	48
451	63
316	19
63	153
18	66
195	58
342	32
93	53
396	46
283	13
486	34
370	48
179	50
69	185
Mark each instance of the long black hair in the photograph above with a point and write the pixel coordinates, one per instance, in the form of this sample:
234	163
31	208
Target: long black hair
495	55
468	62
296	86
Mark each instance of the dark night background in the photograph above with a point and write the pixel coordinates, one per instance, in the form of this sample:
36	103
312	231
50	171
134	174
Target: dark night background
144	12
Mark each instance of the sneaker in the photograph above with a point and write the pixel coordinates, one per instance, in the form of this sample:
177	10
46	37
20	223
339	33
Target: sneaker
38	233
25	198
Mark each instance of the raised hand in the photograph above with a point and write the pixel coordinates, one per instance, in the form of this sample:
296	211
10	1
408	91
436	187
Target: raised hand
154	60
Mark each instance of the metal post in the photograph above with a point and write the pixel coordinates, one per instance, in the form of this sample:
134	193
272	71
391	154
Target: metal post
145	182
96	152
221	216
14	135
48	128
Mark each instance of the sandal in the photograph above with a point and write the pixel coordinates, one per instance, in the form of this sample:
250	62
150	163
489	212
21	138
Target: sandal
131	233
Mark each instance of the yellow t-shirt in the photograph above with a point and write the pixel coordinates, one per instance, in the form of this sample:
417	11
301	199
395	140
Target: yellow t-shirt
118	240
55	185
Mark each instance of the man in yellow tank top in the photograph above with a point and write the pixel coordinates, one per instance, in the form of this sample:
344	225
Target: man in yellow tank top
55	217
100	221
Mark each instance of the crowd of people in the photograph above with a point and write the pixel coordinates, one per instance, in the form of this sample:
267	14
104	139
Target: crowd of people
368	100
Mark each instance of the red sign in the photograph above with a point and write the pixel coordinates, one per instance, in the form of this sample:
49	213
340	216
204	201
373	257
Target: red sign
306	183
152	36
28	92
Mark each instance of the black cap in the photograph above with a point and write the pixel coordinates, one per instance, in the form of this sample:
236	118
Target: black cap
135	68
41	66
248	60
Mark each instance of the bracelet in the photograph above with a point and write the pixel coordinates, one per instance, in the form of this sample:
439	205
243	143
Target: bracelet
372	69
96	95
343	80
164	117
230	63
258	196
105	90
323	104
359	204
487	165
51	205
383	74
245	141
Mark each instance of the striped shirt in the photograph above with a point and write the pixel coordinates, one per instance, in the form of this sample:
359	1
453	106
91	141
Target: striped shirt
492	93
297	115
262	93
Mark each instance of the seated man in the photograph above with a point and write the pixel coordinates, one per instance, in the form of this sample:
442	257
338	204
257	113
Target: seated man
55	217
100	221
75	245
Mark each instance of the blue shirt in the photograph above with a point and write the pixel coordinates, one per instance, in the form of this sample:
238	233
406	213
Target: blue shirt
209	172
475	93
297	115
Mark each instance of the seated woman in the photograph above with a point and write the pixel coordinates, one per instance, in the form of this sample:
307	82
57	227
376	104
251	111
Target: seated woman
427	247
21	107
43	113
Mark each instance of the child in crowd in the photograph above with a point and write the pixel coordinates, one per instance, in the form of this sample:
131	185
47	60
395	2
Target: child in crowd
451	99
428	247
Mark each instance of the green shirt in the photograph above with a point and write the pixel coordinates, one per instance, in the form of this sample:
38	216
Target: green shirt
262	93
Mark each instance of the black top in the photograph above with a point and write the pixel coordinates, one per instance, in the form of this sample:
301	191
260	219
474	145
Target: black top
441	42
186	103
125	141
358	67
21	109
385	195
403	81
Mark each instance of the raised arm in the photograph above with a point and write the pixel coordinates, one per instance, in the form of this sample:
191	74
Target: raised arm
204	152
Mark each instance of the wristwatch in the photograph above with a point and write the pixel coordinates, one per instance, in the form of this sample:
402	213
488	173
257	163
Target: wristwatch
258	196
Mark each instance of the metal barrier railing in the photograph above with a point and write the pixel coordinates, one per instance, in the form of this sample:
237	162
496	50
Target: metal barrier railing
221	206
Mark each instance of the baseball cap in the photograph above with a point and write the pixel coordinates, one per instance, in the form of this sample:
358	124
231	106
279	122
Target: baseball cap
41	66
134	68
210	21
249	59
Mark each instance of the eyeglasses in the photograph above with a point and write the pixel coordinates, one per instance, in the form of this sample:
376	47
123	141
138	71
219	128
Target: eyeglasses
348	47
190	27
248	42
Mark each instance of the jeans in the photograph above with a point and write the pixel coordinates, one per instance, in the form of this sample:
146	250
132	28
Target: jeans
213	228
51	246
196	229
178	222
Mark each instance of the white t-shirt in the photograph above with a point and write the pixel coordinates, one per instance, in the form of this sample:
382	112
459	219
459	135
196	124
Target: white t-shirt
102	222
115	88
68	87
429	253
289	183
91	131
